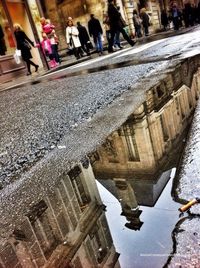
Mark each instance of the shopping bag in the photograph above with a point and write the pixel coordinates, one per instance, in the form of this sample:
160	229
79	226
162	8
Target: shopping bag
16	56
18	52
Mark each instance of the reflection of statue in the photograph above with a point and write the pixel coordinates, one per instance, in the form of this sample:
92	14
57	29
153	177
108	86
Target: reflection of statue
2	42
130	208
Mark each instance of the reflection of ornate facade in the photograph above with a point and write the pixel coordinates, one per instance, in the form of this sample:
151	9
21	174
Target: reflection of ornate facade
142	144
66	229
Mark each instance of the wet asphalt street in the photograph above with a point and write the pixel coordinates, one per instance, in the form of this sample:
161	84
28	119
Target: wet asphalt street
71	107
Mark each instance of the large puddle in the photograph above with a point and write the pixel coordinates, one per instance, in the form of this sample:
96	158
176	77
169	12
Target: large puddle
150	245
135	169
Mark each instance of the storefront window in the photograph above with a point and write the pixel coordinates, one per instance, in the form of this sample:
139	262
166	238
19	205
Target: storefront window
7	44
18	14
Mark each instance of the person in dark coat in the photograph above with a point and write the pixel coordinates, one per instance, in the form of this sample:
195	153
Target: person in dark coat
84	38
23	44
145	21
2	43
95	30
137	23
164	19
116	25
175	15
188	14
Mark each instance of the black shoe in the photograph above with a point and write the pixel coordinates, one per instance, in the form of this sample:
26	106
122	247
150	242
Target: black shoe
133	43
36	68
28	73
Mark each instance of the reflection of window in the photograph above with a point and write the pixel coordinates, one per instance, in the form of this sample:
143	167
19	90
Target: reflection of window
98	244
133	154
42	228
82	196
182	105
79	187
164	128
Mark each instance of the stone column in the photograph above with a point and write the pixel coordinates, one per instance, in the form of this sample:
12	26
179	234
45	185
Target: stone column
128	8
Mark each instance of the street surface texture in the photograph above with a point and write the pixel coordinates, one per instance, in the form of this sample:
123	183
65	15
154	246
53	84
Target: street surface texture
186	235
56	123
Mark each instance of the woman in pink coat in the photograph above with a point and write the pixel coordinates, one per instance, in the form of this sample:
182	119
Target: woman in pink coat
47	49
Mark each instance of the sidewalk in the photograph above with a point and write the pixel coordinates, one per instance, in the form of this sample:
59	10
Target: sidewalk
68	61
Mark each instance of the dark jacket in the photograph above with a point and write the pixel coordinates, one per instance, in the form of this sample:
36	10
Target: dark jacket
94	27
22	39
83	35
145	19
164	18
115	18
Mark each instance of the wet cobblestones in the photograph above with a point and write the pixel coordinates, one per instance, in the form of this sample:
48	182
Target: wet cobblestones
187	244
186	236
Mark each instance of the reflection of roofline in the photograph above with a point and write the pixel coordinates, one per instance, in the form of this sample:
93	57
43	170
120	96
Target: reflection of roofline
109	184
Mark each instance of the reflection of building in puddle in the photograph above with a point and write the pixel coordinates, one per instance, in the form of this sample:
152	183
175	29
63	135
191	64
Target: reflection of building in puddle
133	193
68	228
146	144
142	145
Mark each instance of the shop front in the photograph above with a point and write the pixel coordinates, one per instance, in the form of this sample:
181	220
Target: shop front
16	11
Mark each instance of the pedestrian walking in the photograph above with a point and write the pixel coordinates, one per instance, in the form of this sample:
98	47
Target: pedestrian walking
117	43
84	38
137	22
164	19
95	31
72	38
47	49
106	24
198	12
145	21
176	16
116	25
24	44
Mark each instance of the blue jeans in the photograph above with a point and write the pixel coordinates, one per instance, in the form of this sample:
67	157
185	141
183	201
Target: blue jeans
117	40
98	42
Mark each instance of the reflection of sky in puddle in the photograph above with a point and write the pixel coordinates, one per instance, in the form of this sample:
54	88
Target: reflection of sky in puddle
154	236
